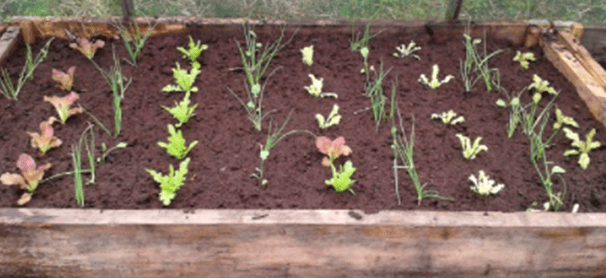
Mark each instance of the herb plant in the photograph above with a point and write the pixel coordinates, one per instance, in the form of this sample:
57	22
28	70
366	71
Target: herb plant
254	106
88	137
359	41
134	43
182	111
65	79
583	148
28	179
524	58
7	88
404	51
315	89
471	150
170	183
62	105
374	91
478	63
45	140
434	83
176	143
333	118
308	55
448	118
87	47
194	51
483	185
185	81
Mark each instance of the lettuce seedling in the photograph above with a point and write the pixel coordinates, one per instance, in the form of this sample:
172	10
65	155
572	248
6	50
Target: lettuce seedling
583	148
194	51
45	140
65	79
333	118
562	119
404	51
540	86
86	47
470	151
171	183
315	89
524	58
184	80
62	105
448	118
308	55
182	111
28	179
483	185
334	149
341	180
176	143
435	82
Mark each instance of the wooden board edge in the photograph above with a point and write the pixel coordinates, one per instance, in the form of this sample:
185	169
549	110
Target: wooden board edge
8	42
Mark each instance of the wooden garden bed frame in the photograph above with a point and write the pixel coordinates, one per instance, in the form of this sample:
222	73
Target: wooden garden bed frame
312	243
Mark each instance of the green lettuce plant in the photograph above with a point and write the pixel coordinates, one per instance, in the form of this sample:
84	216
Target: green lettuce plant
28	179
333	118
583	148
315	89
483	185
471	150
176	143
434	83
62	105
341	179
170	183
45	140
182	111
524	58
404	51
185	81
448	118
308	55
194	51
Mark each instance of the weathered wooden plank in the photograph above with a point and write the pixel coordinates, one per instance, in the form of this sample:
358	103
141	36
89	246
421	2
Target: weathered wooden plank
299	243
8	42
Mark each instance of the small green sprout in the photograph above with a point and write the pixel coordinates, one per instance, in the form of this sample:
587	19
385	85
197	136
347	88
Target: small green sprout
524	58
194	51
341	180
105	151
483	185
583	147
470	151
182	111
539	85
333	118
176	143
308	54
315	89
435	82
562	119
448	118
407	51
184	80
170	183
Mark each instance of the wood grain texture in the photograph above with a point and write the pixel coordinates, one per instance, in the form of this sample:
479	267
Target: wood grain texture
8	42
299	243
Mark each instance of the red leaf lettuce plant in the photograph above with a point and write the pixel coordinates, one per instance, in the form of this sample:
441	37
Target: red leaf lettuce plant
28	179
62	105
65	79
45	140
341	179
87	47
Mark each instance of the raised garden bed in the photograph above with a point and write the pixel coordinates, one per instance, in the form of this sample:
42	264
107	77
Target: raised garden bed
228	152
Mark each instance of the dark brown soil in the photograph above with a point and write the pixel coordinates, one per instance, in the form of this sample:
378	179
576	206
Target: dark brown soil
221	165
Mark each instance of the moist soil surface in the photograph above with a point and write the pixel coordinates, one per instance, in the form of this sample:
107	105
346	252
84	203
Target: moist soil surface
228	150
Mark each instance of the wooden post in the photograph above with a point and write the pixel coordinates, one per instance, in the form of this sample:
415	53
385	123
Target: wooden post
127	9
454	8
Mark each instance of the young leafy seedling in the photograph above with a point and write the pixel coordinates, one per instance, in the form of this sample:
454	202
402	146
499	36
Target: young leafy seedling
315	89
105	152
308	55
182	111
341	179
333	118
185	81
45	140
540	86
562	119
404	51
28	179
470	151
170	183
194	51
483	185
448	118
65	79
524	59
434	82
62	105
176	143
87	47
583	148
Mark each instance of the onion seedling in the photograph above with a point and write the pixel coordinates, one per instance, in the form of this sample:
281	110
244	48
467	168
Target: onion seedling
7	88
